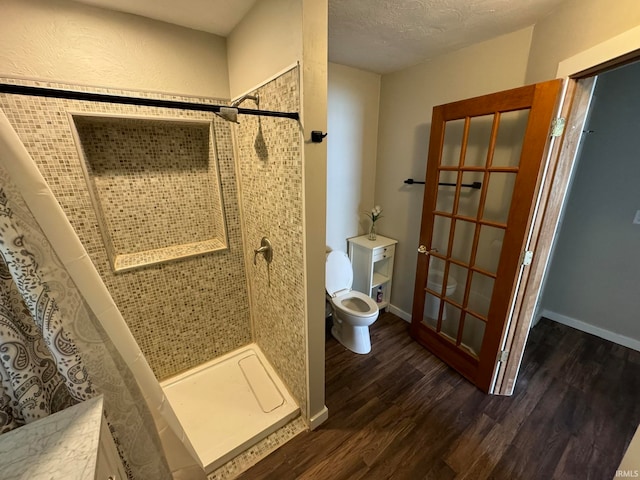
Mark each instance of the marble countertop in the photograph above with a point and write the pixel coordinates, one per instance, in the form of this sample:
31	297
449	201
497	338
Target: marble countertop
61	446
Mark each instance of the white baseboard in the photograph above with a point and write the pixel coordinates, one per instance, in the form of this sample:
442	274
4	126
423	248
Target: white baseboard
592	329
319	418
400	313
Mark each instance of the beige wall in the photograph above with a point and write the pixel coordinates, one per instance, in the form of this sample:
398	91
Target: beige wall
314	117
65	41
406	101
266	41
574	27
353	101
407	97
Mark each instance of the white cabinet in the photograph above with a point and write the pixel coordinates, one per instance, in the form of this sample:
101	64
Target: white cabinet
73	444
108	466
372	262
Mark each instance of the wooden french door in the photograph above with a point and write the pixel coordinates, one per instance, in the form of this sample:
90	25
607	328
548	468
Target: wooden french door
483	171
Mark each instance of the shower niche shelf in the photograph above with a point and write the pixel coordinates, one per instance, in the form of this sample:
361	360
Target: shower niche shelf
154	185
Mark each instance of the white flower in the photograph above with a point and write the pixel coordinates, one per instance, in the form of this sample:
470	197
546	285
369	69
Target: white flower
375	213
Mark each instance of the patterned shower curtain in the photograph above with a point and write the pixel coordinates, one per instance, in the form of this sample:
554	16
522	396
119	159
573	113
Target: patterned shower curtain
40	368
54	352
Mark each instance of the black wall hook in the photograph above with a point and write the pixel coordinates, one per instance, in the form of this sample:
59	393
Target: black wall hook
317	136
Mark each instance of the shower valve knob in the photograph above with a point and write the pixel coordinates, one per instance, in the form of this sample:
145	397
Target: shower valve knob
265	249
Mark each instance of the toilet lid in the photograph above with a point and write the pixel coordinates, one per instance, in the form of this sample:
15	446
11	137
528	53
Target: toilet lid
338	272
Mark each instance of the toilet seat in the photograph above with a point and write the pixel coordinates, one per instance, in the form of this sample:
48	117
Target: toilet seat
350	300
338	282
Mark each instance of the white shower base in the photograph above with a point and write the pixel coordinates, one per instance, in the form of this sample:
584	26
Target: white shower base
229	404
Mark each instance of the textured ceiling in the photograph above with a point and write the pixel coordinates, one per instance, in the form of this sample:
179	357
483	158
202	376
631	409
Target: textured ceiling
376	35
387	35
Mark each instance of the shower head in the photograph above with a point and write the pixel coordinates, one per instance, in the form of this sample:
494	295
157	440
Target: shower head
228	113
238	101
231	113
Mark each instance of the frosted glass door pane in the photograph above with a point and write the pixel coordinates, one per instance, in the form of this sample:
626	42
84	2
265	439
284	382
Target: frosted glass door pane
436	264
489	248
473	334
478	141
446	194
510	137
499	193
431	309
453	131
440	236
431	300
450	321
463	241
469	197
458	277
480	294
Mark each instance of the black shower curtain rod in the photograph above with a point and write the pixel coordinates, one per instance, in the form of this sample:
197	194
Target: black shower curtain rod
145	102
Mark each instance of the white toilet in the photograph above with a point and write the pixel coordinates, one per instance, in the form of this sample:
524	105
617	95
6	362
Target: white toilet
353	311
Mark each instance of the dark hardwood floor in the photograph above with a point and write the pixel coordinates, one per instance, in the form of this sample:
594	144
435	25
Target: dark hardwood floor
400	413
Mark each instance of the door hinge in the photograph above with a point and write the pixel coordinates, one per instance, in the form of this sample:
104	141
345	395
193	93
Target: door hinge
503	356
526	257
557	126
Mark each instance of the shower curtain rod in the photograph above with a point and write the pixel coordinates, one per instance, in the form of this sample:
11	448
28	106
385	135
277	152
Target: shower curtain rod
146	102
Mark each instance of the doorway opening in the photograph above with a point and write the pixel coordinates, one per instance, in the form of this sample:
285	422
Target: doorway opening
594	272
578	96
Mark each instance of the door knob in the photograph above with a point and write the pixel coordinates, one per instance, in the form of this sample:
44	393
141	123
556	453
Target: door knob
425	250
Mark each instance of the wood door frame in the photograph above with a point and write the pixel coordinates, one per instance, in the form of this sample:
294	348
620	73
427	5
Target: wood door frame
544	229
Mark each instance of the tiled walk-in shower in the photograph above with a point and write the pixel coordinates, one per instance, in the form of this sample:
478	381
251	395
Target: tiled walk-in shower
167	209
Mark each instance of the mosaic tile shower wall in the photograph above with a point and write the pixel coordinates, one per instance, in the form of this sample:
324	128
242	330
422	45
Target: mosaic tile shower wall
143	165
182	313
270	159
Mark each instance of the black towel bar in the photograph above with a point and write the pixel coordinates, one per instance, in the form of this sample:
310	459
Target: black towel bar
476	185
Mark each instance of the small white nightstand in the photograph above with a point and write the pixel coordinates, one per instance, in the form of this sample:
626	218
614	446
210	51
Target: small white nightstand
372	262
